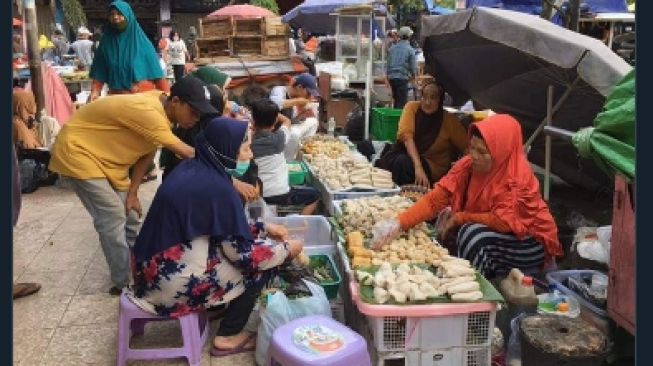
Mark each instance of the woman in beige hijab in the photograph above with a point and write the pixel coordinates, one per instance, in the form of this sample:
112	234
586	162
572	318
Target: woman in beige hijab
24	126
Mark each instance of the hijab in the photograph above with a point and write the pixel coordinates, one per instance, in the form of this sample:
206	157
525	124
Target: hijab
509	190
24	105
124	58
211	75
427	126
198	197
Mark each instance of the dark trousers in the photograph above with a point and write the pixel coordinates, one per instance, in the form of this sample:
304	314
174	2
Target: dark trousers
238	311
399	92
403	170
179	71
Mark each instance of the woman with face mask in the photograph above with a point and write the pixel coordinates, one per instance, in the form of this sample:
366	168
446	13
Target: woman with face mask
125	59
494	201
196	249
178	54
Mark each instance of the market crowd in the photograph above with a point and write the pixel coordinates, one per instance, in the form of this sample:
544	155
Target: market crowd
197	247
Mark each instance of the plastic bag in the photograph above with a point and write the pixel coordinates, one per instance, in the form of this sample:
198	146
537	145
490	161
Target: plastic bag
281	310
259	211
593	243
32	175
513	355
384	232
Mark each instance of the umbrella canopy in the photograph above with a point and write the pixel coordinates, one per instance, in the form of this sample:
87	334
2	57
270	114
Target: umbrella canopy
314	16
611	142
506	61
242	12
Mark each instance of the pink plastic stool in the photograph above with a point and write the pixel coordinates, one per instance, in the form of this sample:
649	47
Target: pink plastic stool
194	331
284	350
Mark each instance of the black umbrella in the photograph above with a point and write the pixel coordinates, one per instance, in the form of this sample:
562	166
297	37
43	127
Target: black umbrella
506	61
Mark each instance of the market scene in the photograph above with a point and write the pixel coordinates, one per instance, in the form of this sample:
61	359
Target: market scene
323	182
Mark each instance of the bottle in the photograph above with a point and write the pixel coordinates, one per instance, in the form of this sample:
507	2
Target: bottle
520	297
331	127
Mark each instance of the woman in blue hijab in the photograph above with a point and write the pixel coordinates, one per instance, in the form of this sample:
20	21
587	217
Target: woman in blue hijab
196	249
125	60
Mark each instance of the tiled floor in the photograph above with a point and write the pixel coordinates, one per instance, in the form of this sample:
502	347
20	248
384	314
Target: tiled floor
73	320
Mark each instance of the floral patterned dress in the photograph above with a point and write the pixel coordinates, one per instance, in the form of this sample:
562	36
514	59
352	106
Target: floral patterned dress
204	272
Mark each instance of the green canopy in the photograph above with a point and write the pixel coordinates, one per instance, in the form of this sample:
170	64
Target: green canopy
611	142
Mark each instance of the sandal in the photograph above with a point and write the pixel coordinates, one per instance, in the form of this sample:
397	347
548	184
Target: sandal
25	289
241	348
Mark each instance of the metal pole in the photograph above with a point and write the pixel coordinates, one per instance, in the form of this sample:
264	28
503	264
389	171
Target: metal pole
369	79
557	106
34	54
547	144
574	12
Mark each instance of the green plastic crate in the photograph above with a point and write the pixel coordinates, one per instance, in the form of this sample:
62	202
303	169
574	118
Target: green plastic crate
330	288
296	178
384	124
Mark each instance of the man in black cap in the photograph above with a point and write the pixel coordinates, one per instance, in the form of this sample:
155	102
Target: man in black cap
102	140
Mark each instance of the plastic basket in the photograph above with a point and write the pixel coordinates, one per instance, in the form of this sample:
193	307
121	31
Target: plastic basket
296	178
315	231
331	287
384	124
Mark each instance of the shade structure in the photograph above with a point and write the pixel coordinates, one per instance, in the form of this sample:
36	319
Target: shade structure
316	16
506	60
242	12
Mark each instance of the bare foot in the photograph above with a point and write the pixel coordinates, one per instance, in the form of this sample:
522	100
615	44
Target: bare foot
232	342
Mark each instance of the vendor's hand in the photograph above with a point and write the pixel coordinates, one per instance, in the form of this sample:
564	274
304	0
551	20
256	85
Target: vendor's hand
448	226
420	177
276	232
133	203
384	232
246	191
295	247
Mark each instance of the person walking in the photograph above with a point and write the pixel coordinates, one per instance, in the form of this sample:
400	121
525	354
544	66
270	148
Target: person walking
402	67
178	55
83	47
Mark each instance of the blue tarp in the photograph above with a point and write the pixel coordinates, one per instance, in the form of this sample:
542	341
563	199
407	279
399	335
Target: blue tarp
313	16
535	6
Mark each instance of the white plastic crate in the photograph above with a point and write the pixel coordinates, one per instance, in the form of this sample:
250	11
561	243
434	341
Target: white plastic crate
456	356
393	333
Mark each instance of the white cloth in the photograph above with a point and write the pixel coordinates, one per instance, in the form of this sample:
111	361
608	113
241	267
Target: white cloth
48	130
84	50
298	132
177	51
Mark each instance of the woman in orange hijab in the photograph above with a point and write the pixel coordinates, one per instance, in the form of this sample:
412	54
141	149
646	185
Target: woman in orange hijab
495	202
25	132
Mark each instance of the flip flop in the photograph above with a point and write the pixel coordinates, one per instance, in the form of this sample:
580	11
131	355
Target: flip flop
25	289
241	348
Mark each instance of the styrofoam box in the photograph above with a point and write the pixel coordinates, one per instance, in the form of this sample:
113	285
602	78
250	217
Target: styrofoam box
392	333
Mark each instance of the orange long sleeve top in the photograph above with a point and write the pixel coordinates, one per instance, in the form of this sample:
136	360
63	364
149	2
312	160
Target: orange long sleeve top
429	206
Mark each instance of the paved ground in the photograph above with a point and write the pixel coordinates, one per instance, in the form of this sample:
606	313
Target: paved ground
73	320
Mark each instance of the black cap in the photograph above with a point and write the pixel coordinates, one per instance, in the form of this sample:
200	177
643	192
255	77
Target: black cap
194	92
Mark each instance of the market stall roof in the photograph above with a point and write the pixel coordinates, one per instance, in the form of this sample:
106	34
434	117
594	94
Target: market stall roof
535	6
244	11
316	16
506	61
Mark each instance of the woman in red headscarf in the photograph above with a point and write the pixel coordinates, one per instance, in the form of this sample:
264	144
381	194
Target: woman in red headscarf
495	202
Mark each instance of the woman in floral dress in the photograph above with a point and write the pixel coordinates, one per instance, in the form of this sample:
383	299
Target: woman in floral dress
196	249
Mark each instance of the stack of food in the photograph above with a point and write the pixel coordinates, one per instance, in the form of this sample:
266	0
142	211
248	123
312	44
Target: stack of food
413	192
346	172
458	280
325	145
402	284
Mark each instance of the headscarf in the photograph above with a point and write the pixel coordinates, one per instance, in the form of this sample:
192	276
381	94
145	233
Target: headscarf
24	105
211	75
124	58
427	126
198	198
510	190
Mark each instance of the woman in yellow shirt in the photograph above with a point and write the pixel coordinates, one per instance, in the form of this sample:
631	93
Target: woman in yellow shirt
428	140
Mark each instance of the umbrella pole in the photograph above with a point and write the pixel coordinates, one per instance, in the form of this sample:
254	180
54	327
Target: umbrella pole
369	79
547	144
563	98
31	26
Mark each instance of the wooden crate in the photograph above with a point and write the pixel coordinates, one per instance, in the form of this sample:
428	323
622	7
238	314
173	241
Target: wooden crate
277	46
275	27
247	46
214	47
248	27
216	27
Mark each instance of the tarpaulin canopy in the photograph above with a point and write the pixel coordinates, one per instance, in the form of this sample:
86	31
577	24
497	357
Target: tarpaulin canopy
506	60
315	16
535	6
611	142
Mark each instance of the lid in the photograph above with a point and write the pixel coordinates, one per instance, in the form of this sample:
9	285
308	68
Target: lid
527	281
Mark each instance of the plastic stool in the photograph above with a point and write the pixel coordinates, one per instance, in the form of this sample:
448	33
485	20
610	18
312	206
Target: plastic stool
285	352
132	320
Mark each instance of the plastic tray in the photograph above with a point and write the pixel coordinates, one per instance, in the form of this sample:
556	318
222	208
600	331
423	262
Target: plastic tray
315	231
559	277
297	178
330	288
